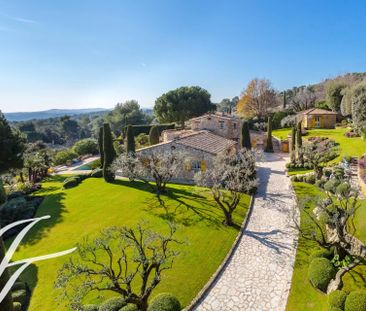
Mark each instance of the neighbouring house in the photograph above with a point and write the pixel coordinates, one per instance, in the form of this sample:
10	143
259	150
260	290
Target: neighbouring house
317	118
209	135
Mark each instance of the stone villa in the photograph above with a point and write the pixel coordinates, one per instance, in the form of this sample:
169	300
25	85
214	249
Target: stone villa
205	137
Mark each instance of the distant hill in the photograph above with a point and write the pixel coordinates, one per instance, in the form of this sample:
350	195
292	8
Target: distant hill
52	113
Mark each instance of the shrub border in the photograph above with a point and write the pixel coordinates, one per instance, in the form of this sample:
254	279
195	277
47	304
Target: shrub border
210	283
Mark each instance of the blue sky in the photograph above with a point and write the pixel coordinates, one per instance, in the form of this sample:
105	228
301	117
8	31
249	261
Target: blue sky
74	54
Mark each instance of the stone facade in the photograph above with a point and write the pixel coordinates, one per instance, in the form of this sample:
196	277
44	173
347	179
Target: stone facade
220	124
196	161
317	118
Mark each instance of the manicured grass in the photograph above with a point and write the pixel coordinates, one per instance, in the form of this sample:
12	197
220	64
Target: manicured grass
349	146
302	295
94	205
282	133
296	171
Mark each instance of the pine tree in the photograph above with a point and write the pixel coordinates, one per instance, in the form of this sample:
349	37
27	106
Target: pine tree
293	145
245	136
101	150
269	146
154	135
130	140
109	153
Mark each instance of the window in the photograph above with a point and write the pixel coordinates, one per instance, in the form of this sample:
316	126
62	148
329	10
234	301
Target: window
196	166
234	126
221	124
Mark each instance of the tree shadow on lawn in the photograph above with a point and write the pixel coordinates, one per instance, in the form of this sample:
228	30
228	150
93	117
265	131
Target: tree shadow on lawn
52	205
188	208
179	205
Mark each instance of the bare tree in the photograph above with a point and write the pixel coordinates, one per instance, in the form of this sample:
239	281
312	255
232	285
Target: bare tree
228	179
304	98
125	261
257	99
159	166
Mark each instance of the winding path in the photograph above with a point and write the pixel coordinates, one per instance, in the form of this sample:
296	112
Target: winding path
258	275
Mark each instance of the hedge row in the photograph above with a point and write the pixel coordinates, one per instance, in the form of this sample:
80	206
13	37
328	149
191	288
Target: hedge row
145	128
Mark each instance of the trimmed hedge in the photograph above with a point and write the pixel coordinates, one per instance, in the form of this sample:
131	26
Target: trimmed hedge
71	182
145	128
165	302
337	299
356	301
321	272
113	304
129	307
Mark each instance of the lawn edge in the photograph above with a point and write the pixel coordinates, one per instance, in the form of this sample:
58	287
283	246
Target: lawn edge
210	283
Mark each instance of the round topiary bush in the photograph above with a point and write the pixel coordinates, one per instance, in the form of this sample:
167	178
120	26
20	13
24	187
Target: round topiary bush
129	307
322	253
355	301
310	179
337	299
321	271
113	304
164	302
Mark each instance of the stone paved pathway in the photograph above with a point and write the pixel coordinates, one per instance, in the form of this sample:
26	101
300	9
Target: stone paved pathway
258	276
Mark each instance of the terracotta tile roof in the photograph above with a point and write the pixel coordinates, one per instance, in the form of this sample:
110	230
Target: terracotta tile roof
317	111
206	141
217	115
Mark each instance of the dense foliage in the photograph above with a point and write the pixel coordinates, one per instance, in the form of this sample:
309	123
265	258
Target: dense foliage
12	145
183	103
86	146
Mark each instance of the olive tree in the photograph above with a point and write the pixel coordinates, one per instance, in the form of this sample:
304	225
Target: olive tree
230	176
126	261
330	222
159	166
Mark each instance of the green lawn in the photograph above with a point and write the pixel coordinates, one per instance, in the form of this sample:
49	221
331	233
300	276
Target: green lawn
349	146
94	205
302	295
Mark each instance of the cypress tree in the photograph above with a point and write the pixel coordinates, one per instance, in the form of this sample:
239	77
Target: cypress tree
101	150
269	146
7	303
245	136
299	143
154	135
284	100
109	153
130	140
292	145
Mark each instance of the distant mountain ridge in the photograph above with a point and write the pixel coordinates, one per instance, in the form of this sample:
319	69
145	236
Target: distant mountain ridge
51	113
